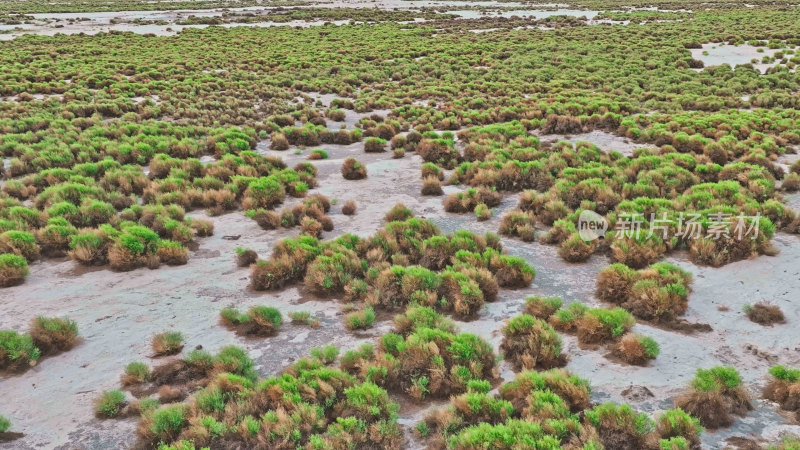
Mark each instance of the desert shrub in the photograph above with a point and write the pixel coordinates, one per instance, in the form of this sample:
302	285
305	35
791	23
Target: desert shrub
17	351
167	343
110	404
715	395
635	349
5	425
53	335
620	427
675	423
600	325
398	212
531	343
764	313
13	270
245	257
360	320
349	208
353	170
542	307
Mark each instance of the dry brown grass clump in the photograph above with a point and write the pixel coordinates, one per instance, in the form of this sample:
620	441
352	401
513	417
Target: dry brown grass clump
542	307
172	253
279	142
398	212
167	343
575	249
637	254
637	350
531	343
349	208
245	257
353	170
431	186
791	183
202	227
311	227
715	396
267	220
614	283
53	335
466	201
784	388
764	313
518	223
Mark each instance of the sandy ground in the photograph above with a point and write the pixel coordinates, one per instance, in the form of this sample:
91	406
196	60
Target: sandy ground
118	313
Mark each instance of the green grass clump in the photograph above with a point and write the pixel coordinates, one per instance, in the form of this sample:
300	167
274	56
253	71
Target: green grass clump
326	354
784	373
110	404
168	420
258	320
136	372
13	269
360	320
5	424
17	350
300	317
531	343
